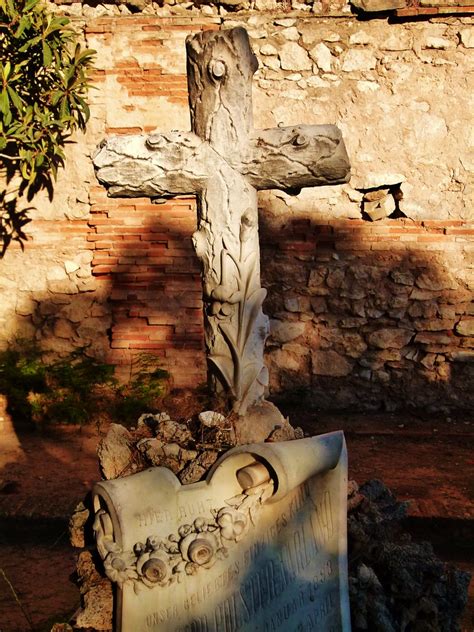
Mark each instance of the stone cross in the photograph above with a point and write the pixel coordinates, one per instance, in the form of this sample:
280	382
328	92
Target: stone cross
224	161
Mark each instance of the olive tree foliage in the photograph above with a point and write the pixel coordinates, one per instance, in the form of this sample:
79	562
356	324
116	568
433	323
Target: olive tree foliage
43	88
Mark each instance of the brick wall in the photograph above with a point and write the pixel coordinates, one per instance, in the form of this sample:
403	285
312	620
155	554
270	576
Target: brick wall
364	313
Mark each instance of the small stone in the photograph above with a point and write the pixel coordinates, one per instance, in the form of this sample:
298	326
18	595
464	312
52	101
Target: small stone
115	452
207	10
465	327
318	305
332	37
76	526
434	324
169	430
438	43
171	450
294	57
378	194
335	277
368	86
463	356
330	363
421	295
153	450
268	49
291	34
71	266
433	338
192	473
402	277
96	591
317	82
360	37
285	331
62	287
56	273
467	37
152	421
390	338
297	304
296	76
397	40
211	419
429	360
359	60
272	62
322	57
380	209
430	280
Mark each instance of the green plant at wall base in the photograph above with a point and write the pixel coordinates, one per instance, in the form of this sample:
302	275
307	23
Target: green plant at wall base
75	389
43	88
146	384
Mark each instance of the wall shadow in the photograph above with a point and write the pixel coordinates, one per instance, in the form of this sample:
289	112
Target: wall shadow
371	323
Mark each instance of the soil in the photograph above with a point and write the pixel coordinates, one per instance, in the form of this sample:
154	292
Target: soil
428	462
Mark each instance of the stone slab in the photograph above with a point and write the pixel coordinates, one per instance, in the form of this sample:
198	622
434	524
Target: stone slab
260	545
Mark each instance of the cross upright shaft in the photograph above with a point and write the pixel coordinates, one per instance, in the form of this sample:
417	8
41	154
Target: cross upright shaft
224	161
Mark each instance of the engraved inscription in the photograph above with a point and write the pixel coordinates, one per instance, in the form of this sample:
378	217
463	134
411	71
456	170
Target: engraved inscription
152	517
293	583
321	519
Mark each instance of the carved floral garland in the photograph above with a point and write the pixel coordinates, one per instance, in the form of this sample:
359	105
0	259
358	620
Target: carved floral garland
163	561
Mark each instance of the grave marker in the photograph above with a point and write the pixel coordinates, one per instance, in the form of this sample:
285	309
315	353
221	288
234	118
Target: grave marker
259	546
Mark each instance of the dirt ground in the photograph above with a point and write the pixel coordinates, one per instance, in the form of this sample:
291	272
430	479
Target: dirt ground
428	462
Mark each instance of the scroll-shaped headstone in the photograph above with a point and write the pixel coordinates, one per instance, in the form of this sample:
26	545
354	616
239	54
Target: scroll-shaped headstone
259	546
224	161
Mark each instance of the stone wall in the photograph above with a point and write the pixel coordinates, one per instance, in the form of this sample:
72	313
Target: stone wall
370	283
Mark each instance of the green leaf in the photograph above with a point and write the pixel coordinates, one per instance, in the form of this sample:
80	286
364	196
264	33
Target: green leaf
6	70
25	23
15	99
29	44
47	54
4	103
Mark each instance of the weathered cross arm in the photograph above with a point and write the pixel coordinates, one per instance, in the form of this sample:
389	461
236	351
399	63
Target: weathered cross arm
296	157
180	163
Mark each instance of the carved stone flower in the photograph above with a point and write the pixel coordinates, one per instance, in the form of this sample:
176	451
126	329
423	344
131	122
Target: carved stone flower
120	567
153	568
199	549
247	225
233	523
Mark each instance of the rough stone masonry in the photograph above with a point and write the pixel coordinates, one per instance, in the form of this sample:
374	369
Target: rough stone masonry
376	307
